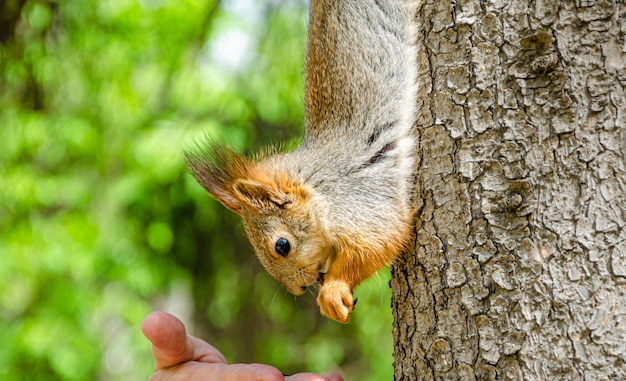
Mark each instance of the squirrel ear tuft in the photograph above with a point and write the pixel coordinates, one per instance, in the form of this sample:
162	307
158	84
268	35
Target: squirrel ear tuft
260	197
215	181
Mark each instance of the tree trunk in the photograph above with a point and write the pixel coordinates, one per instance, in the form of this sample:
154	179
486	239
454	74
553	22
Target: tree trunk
518	271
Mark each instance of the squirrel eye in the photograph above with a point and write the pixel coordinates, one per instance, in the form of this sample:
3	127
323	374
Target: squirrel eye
282	247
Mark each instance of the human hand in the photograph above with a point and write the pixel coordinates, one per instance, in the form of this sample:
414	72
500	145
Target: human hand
179	356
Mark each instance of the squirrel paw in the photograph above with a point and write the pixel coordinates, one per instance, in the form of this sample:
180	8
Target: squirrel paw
336	301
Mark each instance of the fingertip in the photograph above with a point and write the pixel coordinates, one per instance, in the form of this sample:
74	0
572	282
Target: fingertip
314	377
268	372
170	343
162	329
333	377
150	322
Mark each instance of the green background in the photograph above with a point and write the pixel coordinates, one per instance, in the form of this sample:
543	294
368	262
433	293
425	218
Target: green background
99	221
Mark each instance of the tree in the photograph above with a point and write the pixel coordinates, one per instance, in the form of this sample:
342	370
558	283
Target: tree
519	262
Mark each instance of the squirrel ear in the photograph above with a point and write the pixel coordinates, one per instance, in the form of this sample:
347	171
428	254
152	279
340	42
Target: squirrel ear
215	183
259	196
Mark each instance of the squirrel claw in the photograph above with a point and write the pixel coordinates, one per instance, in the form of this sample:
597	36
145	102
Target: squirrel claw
320	278
336	301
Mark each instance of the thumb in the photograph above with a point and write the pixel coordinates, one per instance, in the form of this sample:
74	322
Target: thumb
170	343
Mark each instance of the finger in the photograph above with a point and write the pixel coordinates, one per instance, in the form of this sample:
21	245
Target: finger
305	377
314	377
333	377
171	345
196	371
169	339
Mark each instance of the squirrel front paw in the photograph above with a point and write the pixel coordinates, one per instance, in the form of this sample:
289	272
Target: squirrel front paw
336	300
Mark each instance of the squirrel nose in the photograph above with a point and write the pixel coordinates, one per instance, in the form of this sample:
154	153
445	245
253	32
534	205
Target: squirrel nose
296	290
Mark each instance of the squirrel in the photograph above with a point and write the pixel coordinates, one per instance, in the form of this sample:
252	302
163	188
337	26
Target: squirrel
337	208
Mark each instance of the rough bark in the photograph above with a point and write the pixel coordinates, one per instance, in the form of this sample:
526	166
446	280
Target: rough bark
519	266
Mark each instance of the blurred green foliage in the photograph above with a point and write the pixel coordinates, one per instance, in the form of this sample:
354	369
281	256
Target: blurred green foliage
99	222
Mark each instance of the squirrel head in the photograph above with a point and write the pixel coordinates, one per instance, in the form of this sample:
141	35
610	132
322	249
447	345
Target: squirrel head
277	213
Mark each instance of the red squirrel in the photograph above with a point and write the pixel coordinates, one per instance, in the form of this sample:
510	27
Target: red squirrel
336	209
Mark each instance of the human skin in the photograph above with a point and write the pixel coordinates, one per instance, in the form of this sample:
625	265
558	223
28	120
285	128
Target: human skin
179	356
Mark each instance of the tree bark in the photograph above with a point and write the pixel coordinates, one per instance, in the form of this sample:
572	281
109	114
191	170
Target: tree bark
518	271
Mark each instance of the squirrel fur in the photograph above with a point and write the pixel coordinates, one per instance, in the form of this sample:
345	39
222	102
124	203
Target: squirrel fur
338	208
